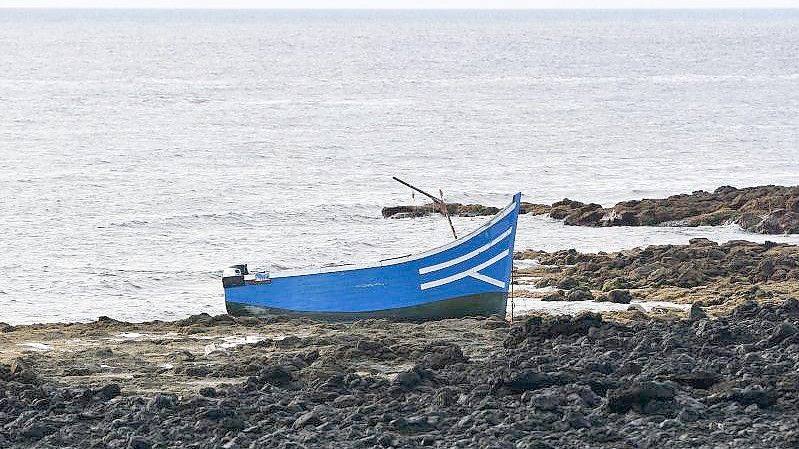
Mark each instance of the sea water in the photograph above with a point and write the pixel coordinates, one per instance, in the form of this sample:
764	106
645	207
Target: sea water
141	152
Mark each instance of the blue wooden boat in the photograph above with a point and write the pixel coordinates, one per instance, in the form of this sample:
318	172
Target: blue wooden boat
468	277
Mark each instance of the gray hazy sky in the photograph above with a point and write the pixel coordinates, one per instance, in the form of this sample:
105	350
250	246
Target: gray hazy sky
402	4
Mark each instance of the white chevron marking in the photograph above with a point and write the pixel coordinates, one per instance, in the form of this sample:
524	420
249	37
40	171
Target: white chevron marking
467	256
490	280
471	272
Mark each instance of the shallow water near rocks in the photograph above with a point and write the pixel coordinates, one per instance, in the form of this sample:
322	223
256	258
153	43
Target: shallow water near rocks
525	306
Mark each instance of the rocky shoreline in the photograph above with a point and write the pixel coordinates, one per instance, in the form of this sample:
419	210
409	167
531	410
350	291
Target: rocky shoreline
545	382
763	210
724	375
710	275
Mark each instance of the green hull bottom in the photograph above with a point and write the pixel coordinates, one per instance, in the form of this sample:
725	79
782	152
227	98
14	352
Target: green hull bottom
485	304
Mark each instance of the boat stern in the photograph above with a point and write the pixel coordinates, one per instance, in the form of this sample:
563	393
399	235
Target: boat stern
233	276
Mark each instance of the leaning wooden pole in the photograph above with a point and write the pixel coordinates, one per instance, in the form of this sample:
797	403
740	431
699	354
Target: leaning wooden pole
445	211
435	200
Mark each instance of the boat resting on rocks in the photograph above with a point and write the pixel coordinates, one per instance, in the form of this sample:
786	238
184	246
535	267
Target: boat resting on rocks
468	277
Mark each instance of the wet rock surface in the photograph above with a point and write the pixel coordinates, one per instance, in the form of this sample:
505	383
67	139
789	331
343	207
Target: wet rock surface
583	381
454	209
459	210
763	210
712	276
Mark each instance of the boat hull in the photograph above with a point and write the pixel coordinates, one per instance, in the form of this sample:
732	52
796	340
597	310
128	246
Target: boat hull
485	304
468	277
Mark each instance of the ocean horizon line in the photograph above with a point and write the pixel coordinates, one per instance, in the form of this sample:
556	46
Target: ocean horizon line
121	8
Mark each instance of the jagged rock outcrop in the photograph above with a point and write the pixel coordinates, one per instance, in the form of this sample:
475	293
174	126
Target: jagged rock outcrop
764	210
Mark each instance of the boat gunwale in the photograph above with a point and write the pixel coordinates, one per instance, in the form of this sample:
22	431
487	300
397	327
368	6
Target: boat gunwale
404	259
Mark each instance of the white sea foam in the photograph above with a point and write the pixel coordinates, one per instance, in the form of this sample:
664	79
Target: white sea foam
523	306
131	335
231	341
36	346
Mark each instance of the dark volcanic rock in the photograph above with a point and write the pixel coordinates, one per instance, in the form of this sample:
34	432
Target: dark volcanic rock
554	296
552	326
579	294
782	332
108	392
308	418
534	209
755	395
564	208
619	296
698	263
276	375
761	398
442	354
139	443
20	371
585	215
764	209
531	380
779	221
696	313
697	379
567	283
638	395
461	210
408	379
454	209
408	211
571	382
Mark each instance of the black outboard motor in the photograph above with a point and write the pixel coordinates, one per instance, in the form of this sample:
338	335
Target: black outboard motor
234	276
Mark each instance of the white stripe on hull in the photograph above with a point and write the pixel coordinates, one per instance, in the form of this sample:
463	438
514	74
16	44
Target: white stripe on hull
471	272
467	256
